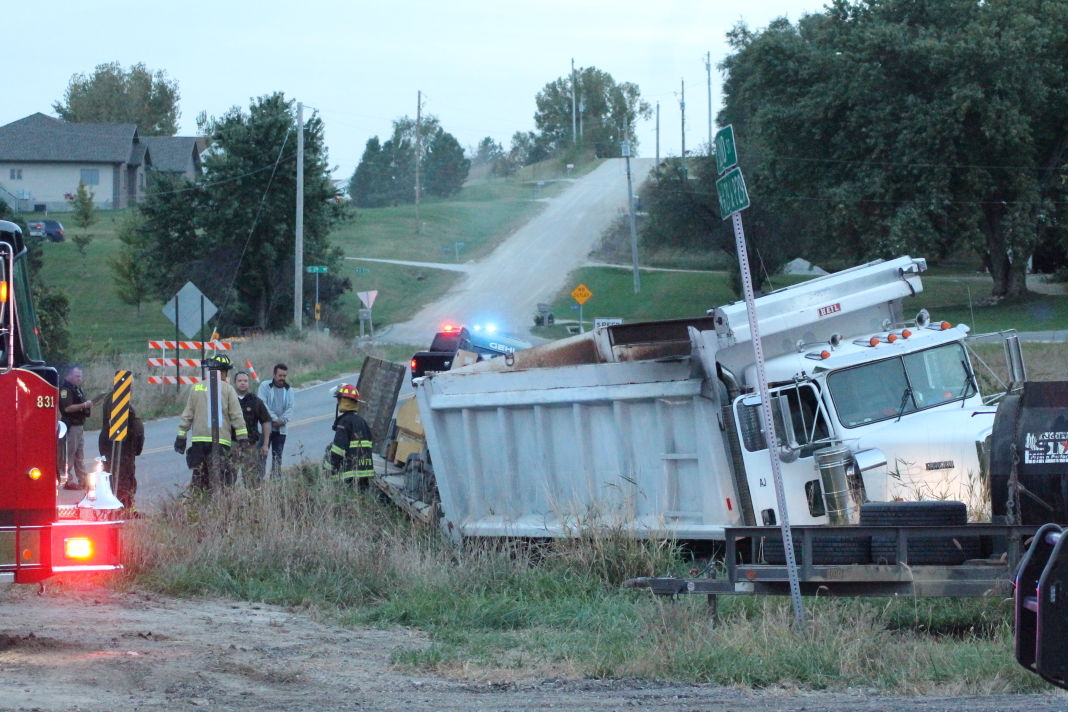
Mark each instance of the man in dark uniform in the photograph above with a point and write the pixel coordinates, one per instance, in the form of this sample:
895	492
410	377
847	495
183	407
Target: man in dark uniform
252	460
74	408
126	467
350	453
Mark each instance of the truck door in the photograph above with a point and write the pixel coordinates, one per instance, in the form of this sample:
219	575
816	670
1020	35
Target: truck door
801	425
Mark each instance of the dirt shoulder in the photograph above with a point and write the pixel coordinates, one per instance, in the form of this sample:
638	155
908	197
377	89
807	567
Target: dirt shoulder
94	649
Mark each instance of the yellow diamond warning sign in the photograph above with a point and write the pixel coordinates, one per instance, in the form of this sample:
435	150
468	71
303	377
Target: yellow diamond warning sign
581	293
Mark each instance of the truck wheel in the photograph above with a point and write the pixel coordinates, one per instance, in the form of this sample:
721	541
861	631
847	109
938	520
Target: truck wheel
825	550
922	550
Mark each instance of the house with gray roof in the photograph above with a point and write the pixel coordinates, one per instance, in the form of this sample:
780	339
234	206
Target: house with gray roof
179	155
43	159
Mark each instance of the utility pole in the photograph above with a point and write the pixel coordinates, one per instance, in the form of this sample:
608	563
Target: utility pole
708	72
658	138
581	111
298	254
574	113
630	210
682	106
418	156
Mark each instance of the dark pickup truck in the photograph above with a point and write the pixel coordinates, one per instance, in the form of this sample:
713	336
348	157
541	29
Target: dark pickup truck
487	343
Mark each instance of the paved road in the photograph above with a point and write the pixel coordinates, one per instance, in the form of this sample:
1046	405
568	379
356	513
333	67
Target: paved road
532	265
161	472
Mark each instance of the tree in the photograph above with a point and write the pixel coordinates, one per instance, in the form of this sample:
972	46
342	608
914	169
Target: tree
608	115
51	306
114	95
445	166
683	210
526	148
82	207
386	172
488	152
129	267
232	233
888	126
370	186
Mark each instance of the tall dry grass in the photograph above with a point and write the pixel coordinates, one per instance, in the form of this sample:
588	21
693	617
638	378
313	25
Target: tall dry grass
509	608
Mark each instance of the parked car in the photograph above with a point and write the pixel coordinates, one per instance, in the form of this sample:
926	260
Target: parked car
52	229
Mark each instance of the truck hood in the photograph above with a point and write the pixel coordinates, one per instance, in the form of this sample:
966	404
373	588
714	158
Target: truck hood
933	454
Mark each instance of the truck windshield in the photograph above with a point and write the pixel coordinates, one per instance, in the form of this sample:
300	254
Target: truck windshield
898	386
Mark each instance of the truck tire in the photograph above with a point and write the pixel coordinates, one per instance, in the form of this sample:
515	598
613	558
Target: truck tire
825	550
922	550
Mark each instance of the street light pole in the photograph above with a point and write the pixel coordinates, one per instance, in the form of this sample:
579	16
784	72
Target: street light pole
298	250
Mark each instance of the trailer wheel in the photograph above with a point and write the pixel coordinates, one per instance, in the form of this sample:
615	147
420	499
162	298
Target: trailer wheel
825	550
922	550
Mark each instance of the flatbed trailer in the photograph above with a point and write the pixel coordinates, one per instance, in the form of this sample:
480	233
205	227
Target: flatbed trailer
745	574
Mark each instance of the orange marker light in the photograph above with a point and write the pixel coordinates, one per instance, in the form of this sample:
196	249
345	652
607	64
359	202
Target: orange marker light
3	292
891	338
78	547
906	334
34	473
27	554
946	325
873	341
825	354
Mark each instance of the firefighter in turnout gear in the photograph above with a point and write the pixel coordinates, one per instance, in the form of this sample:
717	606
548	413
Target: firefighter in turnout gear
203	454
350	453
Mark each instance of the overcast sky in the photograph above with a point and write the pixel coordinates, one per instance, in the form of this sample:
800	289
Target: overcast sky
479	63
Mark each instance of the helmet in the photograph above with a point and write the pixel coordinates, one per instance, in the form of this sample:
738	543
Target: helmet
218	362
346	390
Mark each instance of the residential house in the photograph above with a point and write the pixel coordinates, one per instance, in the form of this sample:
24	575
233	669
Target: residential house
43	159
176	154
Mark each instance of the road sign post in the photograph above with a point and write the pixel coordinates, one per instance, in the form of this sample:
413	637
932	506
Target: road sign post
733	198
317	270
368	300
580	294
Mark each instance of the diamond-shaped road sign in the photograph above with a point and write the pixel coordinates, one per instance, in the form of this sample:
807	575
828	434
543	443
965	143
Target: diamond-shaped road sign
581	293
184	310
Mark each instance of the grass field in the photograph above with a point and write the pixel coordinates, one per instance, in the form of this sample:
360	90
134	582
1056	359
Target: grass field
480	216
554	609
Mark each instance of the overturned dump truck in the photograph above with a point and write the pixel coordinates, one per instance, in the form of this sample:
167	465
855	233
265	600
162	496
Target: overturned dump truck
655	427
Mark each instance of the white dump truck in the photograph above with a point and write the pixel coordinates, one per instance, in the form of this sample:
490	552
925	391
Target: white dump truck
655	427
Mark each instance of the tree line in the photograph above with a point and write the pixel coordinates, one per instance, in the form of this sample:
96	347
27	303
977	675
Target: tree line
881	127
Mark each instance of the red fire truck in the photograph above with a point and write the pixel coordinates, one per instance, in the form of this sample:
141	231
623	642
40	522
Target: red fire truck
36	542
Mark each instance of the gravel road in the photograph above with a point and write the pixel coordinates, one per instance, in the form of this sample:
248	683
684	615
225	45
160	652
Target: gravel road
93	650
532	265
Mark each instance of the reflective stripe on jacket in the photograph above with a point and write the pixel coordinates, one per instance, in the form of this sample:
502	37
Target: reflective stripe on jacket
196	418
350	452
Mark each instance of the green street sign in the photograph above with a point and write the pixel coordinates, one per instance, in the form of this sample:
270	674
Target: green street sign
362	270
317	269
732	193
726	153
